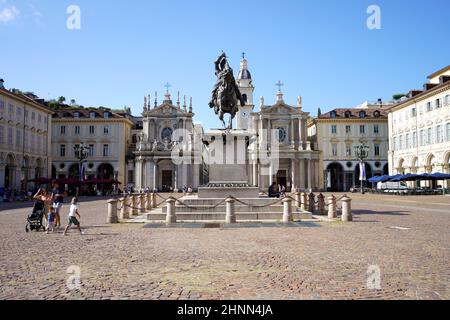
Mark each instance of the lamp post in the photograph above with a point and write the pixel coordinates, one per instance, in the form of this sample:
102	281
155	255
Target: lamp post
362	153
81	153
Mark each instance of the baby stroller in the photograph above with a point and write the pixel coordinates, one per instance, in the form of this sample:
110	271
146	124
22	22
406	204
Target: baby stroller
34	220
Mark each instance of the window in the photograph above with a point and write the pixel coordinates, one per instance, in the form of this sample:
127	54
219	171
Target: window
106	130
106	115
77	130
105	150
62	130
19	114
439	135
429	107
91	150
414	141
395	144
438	103
10	136
18	138
91	130
376	114
166	134
76	151
2	106
25	140
348	150
33	116
429	136
333	129
376	129
26	114
407	141
282	135
10	109
39	118
413	112
348	114
400	142
76	115
92	115
2	135
446	100
333	114
62	150
448	131
376	149
362	129
362	114
334	151
422	138
348	129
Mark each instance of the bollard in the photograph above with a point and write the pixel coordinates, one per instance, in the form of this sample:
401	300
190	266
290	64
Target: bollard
298	199
148	202
112	211
287	210
142	198
134	205
347	209
171	213
321	204
230	216
311	202
124	209
154	204
304	203
332	211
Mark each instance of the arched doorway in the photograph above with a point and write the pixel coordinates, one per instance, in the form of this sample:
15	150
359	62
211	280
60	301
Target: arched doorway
74	171
105	171
400	168
369	174
335	177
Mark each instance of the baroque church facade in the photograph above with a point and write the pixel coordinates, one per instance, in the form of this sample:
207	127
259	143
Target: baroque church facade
297	162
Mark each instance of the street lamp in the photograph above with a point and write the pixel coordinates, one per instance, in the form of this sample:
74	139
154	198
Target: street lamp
362	153
81	153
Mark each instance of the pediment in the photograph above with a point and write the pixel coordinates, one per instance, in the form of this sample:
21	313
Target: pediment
280	109
166	109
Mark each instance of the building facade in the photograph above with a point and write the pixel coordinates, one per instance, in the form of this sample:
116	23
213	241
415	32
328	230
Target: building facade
25	130
168	133
420	128
107	134
338	132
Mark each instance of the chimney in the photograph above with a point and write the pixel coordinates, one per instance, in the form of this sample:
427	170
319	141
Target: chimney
1	84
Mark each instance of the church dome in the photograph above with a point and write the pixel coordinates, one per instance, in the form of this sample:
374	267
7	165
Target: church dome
244	75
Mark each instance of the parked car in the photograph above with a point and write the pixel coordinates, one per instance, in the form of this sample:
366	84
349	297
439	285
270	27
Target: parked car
392	186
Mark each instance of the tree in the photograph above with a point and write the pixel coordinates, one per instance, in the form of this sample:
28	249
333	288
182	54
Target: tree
319	112
72	102
398	96
61	99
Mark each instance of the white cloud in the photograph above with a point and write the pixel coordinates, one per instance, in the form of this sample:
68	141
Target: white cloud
9	14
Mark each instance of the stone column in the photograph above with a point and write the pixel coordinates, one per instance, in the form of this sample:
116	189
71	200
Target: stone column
154	203
175	178
171	213
112	211
138	174
309	174
347	209
155	176
294	166
255	173
270	174
298	199
302	174
287	210
332	210
230	216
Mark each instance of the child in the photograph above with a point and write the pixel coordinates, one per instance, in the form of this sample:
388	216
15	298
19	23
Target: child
73	213
51	220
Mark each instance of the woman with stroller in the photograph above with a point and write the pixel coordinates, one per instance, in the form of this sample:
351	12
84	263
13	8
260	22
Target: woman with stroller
43	196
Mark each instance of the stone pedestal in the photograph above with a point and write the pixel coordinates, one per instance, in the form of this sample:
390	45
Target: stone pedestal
112	211
347	209
230	216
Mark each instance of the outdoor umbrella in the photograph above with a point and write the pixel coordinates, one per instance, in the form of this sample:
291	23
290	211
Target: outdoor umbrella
440	176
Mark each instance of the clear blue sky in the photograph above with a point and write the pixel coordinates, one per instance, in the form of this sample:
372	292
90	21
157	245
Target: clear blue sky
321	50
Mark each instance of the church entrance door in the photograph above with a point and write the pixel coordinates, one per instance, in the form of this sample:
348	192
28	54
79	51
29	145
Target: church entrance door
282	178
166	180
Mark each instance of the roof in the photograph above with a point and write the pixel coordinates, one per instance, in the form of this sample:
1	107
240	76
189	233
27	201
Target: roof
355	114
86	113
26	99
433	75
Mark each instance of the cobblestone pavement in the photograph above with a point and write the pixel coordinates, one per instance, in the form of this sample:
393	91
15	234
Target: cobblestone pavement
329	261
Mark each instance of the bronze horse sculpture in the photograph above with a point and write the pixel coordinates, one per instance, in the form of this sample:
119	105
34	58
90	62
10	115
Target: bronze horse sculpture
226	94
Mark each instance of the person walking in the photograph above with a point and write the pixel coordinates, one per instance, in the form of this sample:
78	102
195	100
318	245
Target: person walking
73	214
58	200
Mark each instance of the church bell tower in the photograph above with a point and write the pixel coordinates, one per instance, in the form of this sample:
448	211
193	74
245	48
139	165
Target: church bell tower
244	82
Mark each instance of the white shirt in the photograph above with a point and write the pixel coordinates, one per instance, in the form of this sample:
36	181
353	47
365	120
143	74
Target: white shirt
73	210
